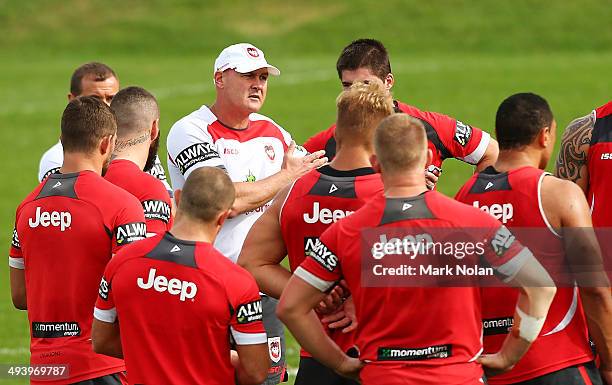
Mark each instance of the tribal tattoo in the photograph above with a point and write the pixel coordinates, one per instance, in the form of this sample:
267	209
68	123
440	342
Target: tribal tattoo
572	160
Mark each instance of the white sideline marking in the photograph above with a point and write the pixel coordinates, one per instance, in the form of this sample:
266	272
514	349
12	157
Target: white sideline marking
13	351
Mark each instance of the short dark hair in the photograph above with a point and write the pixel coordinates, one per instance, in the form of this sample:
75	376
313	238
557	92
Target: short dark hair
368	53
100	72
86	120
520	118
135	108
207	192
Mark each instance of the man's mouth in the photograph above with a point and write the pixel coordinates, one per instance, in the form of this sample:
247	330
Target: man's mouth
255	97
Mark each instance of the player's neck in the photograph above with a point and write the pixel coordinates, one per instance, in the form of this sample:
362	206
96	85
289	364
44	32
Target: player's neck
230	116
133	154
188	230
512	159
351	158
77	162
404	185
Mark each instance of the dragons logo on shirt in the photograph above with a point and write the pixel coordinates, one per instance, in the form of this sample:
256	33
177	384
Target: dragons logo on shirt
270	151
252	52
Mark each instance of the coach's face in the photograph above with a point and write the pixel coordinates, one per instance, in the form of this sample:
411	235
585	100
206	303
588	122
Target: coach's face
105	89
246	91
365	75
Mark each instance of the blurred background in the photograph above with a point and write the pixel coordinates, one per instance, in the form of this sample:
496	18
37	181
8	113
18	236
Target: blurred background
461	58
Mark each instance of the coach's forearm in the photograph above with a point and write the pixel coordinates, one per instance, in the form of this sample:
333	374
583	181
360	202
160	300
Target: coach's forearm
251	195
597	304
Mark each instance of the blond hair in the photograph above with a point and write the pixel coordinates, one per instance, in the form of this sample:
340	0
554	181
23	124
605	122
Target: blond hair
360	108
400	143
207	192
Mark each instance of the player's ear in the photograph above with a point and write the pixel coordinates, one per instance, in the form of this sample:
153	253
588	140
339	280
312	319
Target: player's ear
71	96
218	79
429	156
107	144
223	216
389	81
154	129
177	196
374	162
544	137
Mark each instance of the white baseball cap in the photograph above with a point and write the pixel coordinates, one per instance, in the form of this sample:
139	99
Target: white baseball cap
243	58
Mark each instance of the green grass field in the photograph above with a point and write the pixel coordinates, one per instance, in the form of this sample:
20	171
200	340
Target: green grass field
457	57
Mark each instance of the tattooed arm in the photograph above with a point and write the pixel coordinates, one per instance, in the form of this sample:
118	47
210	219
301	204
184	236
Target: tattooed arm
572	160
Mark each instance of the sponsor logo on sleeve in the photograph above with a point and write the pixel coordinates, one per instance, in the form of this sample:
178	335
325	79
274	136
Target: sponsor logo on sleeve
157	171
55	329
274	347
502	240
194	154
15	241
463	133
104	289
249	312
156	209
320	253
414	354
130	232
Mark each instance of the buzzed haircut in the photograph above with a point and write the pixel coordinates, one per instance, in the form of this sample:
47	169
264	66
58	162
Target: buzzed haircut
207	192
99	71
360	108
400	143
520	118
365	53
85	121
135	109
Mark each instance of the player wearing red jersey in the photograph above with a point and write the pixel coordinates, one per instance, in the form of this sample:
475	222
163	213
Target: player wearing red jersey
518	192
66	230
366	60
302	211
410	335
137	115
169	303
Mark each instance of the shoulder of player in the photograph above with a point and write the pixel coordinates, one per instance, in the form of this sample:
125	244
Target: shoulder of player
196	123
553	187
429	116
464	189
457	213
269	124
132	251
108	196
220	268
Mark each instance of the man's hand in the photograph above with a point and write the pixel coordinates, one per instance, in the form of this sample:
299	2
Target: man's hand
344	318
432	174
350	368
298	166
332	301
494	364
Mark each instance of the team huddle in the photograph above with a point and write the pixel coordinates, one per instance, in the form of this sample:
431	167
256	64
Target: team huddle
127	278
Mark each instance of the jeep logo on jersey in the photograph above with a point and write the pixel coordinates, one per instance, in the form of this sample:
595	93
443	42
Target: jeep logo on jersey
324	215
503	212
250	312
131	232
154	209
502	240
61	219
252	52
269	151
104	289
320	253
463	133
194	154
174	286
15	241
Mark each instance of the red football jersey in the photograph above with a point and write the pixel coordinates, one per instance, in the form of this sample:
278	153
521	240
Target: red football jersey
425	335
514	198
149	190
599	162
65	233
317	200
446	137
177	304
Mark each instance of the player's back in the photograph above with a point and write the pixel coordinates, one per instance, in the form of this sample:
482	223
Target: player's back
176	309
599	159
68	228
424	333
150	191
514	198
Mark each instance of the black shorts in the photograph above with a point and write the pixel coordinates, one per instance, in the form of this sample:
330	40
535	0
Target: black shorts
583	374
109	379
311	372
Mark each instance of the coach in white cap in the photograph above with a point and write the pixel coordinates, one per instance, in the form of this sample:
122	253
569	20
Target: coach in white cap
257	154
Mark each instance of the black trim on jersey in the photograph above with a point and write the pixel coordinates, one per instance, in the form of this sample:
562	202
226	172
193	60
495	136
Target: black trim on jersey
61	185
433	137
602	130
341	187
330	171
490	180
185	255
401	209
